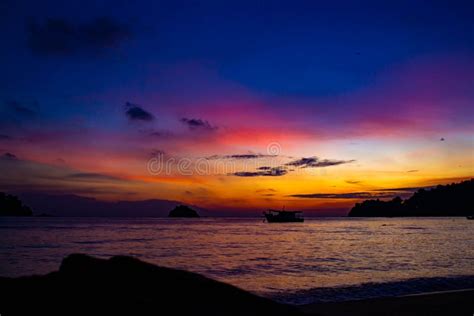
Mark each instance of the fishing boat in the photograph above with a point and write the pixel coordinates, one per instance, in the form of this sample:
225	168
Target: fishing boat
275	216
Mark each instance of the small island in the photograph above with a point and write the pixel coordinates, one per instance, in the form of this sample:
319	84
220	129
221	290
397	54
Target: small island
12	206
183	211
455	199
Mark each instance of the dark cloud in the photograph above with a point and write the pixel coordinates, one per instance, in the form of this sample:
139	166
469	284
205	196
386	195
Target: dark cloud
160	134
154	133
157	153
91	177
265	190
352	181
20	109
404	190
9	156
5	137
60	37
136	113
273	172
374	194
60	161
241	156
352	195
264	168
315	162
414	170
197	124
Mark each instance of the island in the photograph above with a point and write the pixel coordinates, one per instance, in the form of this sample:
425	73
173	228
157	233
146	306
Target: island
183	211
456	199
12	206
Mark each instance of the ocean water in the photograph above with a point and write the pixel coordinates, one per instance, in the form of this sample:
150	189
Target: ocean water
323	259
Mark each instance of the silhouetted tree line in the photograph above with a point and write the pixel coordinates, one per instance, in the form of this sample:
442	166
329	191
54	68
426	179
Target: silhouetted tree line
455	199
12	206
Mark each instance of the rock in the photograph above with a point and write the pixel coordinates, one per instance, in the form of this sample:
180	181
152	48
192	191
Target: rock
126	286
183	211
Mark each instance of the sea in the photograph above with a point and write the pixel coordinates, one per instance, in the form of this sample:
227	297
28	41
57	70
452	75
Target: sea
320	260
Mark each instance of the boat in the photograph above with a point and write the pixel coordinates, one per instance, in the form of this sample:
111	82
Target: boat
470	217
275	216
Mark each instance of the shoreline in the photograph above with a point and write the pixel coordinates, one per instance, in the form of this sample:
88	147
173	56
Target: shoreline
455	302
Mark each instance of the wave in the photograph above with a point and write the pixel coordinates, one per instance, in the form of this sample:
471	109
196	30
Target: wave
375	290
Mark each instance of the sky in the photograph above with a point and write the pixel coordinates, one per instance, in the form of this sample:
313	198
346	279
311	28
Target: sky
236	106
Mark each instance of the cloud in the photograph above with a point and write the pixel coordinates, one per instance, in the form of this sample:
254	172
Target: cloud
406	189
136	113
9	156
89	176
195	124
161	134
315	162
241	156
157	153
312	162
414	170
60	37
5	137
273	172
351	195
374	194
20	109
353	181
265	190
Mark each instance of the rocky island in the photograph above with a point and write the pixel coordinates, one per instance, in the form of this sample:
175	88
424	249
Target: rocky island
183	211
455	199
12	206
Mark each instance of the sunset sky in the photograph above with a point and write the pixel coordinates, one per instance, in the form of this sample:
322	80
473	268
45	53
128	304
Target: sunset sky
236	105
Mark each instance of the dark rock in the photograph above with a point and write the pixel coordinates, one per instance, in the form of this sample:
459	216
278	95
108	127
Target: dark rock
183	211
123	285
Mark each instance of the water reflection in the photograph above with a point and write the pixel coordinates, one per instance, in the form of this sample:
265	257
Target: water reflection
264	258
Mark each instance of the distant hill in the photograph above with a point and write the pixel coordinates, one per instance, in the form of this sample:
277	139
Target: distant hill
455	199
12	206
74	205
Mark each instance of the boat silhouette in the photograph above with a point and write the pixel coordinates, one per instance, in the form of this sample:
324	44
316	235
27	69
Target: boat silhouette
275	216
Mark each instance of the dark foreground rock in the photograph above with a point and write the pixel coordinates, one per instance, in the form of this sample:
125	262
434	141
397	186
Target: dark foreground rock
183	211
122	285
